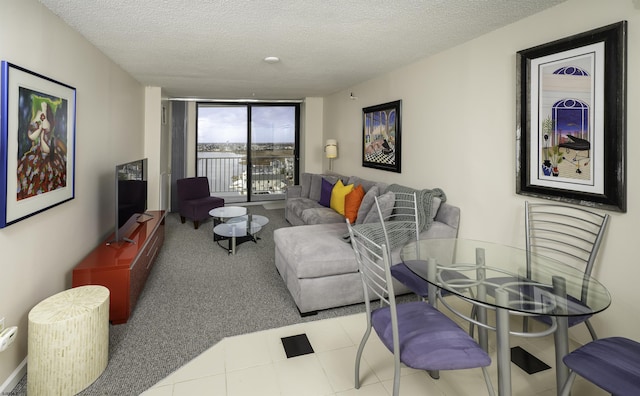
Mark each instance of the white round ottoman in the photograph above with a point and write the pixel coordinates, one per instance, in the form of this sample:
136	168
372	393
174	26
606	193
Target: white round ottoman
68	343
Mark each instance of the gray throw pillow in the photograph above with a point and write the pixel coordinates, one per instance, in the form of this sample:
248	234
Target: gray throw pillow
305	182
368	201
316	187
386	202
366	184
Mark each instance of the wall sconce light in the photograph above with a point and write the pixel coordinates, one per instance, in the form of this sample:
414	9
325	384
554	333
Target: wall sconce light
331	151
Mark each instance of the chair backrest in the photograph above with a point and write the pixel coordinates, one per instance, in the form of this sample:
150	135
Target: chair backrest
400	223
192	188
569	234
373	264
426	331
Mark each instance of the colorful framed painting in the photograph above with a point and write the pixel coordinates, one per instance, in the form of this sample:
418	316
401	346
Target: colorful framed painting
37	143
571	112
381	135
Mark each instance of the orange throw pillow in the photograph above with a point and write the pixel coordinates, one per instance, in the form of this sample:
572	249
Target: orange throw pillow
352	203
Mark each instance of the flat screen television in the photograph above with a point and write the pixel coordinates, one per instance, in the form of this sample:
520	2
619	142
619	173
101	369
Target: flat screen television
131	198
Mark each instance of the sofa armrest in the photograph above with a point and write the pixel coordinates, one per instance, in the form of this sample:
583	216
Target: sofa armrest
448	214
293	192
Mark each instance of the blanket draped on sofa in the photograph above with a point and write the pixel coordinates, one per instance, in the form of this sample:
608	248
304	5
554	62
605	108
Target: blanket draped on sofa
398	231
425	202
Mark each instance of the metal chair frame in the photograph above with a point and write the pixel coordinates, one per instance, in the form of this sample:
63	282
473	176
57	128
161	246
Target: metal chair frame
568	233
374	266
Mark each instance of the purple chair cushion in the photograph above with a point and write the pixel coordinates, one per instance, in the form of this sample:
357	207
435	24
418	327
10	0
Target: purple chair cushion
573	320
611	363
198	209
429	340
574	305
418	285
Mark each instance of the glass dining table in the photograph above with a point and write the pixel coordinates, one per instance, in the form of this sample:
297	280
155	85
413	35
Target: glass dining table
510	281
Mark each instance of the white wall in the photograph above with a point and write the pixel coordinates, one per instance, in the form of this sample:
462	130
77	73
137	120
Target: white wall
153	144
39	253
458	123
311	138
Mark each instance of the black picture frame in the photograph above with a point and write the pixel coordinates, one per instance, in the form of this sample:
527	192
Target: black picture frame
571	119
381	136
37	143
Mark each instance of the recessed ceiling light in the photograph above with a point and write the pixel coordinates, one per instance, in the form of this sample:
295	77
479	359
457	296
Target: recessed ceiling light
272	59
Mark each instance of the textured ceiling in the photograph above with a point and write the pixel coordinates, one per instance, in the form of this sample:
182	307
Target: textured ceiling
215	48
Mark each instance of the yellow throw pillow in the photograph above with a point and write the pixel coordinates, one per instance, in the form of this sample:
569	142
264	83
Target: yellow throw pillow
337	196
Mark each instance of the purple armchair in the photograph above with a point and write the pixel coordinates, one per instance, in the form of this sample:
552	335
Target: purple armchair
195	200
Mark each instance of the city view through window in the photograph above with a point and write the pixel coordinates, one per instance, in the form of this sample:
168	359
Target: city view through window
242	162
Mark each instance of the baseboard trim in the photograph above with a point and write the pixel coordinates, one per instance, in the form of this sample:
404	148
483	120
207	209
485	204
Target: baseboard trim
14	378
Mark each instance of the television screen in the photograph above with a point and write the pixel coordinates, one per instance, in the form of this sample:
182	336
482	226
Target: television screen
131	196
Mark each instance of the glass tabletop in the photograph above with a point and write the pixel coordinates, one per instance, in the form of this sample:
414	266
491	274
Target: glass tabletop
474	270
237	229
226	212
258	219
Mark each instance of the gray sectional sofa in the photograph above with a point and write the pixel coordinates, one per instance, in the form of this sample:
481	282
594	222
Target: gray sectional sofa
302	206
316	262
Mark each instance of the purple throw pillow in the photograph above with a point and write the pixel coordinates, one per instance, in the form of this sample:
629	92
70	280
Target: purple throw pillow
325	193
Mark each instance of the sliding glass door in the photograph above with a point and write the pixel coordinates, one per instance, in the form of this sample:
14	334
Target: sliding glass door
272	150
248	151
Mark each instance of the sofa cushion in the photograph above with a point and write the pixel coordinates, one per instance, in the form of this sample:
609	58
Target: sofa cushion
315	187
298	205
325	193
439	230
386	202
352	203
305	184
367	203
366	184
321	215
338	195
315	250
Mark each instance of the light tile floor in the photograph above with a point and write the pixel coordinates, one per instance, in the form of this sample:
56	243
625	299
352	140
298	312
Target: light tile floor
256	364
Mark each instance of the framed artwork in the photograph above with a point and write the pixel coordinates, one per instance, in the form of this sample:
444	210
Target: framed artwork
37	143
381	136
571	114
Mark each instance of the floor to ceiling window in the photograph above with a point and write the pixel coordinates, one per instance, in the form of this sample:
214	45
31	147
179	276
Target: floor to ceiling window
247	151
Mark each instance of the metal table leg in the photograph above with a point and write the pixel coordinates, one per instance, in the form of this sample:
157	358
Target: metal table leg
483	336
232	242
432	268
503	348
561	336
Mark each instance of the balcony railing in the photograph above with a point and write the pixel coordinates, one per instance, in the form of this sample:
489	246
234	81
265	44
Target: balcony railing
227	174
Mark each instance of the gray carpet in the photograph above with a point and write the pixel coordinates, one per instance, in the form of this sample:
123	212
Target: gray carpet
195	296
